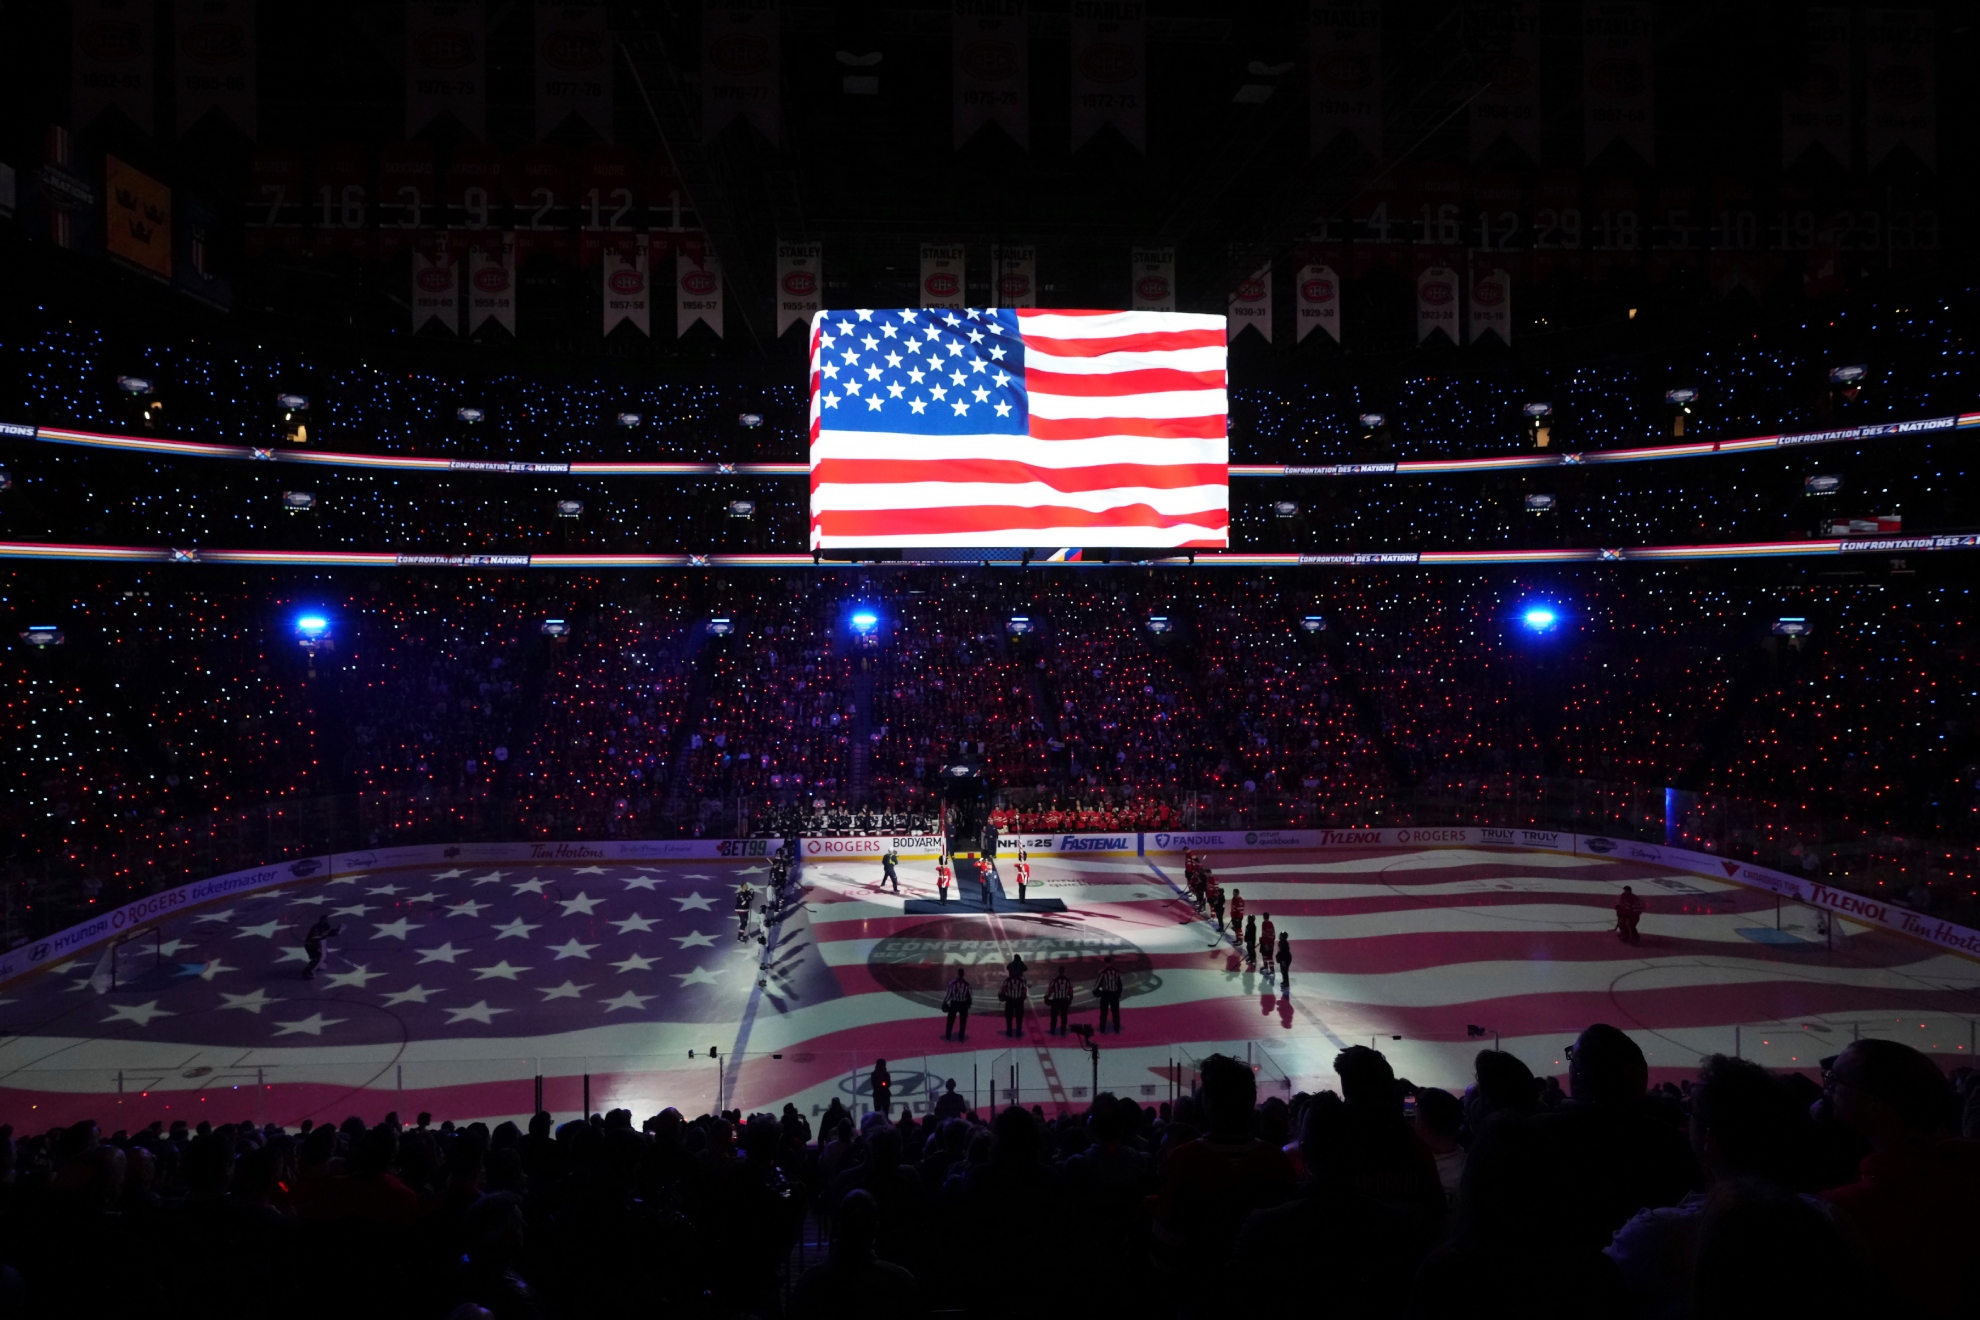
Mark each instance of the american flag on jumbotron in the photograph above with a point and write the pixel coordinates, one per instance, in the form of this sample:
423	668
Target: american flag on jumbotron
1000	427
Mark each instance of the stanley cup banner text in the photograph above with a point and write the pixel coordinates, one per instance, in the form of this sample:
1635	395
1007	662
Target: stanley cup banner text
111	63
1504	37
446	66
697	286
214	42
1014	271
1319	300
573	68
1815	97
800	281
991	68
1018	427
1345	47
739	65
1109	71
1617	91
1251	303
942	275
1902	107
1152	279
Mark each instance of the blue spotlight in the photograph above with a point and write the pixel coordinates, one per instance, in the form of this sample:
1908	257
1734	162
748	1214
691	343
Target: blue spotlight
311	626
1539	618
865	621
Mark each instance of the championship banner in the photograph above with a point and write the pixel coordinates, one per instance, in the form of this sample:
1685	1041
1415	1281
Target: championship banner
739	65
1437	303
622	268
1902	102
990	68
491	277
1491	303
112	61
1109	71
573	68
407	200
1317	302
942	275
446	66
1345	47
436	285
541	181
1014	276
1815	99
1251	304
193	271
697	286
800	282
1152	279
1617	93
216	62
1504	37
340	211
138	224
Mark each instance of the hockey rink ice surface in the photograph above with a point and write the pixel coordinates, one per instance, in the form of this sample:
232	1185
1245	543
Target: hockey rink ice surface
452	989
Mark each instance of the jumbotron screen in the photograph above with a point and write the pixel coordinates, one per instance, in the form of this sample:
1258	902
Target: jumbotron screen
1002	428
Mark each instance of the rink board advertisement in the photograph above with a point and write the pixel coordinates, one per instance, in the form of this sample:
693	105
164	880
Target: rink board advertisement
62	946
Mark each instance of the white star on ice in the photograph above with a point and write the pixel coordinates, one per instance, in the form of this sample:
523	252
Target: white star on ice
170	947
582	903
354	910
357	976
873	404
533	885
632	923
696	903
453	874
918	406
571	949
383	889
446	953
501	969
699	976
312	1025
515	930
626	1000
477	1012
253	1002
694	939
427	897
467	909
418	994
207	971
293	953
642	881
1003	410
215	916
492	878
396	929
140	1013
589	870
564	991
300	899
266	930
636	964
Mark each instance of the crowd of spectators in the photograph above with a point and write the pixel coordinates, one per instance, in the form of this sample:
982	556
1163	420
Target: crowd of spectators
184	729
1733	1193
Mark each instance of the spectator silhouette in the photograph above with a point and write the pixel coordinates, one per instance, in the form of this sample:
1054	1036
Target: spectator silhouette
853	1281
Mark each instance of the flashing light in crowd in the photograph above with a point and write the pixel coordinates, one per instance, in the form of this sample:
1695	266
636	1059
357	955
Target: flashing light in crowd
135	384
1159	623
311	627
629	420
749	421
40	635
865	621
1791	627
1850	374
296	501
1539	618
1019	625
554	628
570	508
721	627
469	415
1313	623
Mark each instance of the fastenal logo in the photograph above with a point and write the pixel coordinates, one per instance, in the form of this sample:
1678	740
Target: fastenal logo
1094	843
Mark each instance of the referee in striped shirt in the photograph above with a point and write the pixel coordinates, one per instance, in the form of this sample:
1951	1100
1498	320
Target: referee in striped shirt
1108	992
1015	990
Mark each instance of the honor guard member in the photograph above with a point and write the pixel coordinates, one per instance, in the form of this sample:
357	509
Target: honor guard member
1014	992
1250	941
1216	901
745	900
313	943
955	1006
1268	940
1285	961
1058	1002
1108	991
942	877
888	875
985	869
1023	869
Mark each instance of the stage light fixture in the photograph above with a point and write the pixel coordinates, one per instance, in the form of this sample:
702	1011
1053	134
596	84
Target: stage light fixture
1539	618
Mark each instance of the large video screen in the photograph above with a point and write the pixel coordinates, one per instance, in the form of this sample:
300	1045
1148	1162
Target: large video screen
990	427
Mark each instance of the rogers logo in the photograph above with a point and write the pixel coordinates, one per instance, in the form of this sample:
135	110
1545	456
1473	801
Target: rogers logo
800	283
1436	292
989	61
1430	836
738	54
212	43
942	284
491	279
437	279
1251	291
572	51
1152	288
445	48
627	281
1109	62
1014	286
1318	291
701	283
